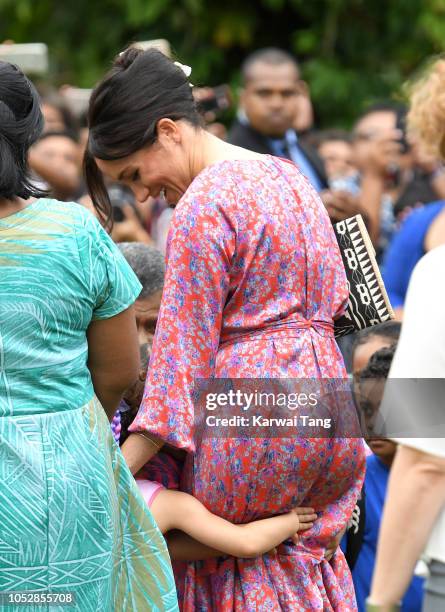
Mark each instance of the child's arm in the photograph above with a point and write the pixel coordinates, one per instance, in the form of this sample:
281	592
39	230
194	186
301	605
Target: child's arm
182	547
177	510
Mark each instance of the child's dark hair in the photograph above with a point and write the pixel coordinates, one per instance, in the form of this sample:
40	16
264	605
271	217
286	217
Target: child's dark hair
379	364
389	329
127	419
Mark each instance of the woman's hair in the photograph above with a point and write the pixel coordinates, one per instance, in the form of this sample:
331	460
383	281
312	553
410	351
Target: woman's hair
21	124
389	329
141	88
426	117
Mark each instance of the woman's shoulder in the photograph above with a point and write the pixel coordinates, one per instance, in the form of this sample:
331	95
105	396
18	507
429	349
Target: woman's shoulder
70	215
213	190
229	179
231	189
59	208
249	168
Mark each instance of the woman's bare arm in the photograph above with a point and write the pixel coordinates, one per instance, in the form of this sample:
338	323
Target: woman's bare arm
113	357
416	494
138	450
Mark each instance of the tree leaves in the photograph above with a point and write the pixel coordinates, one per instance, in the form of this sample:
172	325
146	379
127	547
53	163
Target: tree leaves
351	52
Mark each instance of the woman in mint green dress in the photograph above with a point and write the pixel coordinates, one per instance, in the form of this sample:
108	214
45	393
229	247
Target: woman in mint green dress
72	518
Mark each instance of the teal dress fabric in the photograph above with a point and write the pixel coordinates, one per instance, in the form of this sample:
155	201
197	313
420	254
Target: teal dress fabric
72	518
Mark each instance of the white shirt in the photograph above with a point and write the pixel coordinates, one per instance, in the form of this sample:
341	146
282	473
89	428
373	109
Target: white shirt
421	354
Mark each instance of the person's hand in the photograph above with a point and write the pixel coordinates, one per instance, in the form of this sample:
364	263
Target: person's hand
305	518
130	229
340	205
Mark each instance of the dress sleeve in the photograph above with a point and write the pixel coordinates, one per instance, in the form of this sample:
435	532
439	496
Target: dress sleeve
112	284
200	249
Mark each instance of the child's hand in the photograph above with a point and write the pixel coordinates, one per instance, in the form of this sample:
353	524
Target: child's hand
305	518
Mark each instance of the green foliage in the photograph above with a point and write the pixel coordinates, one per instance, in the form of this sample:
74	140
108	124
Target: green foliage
352	52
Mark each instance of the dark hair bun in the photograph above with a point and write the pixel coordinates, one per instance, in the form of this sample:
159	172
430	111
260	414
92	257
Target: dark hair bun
127	57
21	123
141	88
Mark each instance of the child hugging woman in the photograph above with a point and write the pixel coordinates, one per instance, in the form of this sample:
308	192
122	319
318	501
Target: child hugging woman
196	532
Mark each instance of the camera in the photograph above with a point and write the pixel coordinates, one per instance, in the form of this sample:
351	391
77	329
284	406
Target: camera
119	197
213	99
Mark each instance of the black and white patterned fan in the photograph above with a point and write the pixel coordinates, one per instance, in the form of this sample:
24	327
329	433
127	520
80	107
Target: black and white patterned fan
368	301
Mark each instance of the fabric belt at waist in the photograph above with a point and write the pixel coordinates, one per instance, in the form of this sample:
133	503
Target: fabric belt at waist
279	328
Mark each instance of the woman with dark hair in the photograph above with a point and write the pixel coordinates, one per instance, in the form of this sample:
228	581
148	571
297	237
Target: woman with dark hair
73	521
254	281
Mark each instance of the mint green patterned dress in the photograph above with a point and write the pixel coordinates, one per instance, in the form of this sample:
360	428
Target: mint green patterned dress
71	516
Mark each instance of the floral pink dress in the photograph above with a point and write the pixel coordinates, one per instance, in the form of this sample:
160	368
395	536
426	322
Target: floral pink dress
254	281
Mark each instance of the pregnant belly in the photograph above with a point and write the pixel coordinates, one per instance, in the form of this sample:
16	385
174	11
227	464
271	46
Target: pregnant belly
246	479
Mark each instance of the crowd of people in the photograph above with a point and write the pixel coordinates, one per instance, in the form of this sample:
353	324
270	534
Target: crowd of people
376	170
144	247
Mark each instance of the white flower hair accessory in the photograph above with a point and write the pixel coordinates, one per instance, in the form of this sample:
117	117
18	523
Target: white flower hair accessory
185	69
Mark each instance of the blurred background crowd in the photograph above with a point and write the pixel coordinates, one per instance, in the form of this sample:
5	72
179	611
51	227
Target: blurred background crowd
330	98
361	163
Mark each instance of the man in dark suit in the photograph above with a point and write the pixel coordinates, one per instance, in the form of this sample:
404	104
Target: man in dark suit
269	103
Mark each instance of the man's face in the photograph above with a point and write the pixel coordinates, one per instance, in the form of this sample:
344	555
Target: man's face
338	158
270	98
58	151
147	311
364	352
372	126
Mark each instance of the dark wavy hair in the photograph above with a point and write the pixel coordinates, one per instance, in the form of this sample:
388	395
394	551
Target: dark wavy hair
141	88
379	364
21	123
